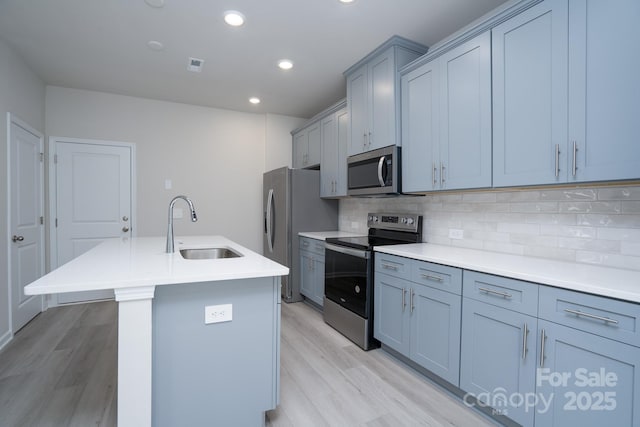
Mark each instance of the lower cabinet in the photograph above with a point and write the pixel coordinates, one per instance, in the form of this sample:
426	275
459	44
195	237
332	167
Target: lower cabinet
498	359
420	322
312	269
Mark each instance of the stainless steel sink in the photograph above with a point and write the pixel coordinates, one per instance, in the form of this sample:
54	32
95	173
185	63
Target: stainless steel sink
208	253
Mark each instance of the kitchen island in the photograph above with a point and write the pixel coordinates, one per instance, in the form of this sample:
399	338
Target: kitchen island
198	339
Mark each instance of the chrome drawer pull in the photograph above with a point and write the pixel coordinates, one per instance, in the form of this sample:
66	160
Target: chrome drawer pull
543	338
411	306
491	291
591	316
525	332
404	301
434	278
389	267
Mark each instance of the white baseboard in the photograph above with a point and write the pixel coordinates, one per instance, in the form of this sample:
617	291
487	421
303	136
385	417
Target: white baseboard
5	339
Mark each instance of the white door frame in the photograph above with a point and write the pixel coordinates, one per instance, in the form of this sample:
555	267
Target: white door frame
53	196
11	118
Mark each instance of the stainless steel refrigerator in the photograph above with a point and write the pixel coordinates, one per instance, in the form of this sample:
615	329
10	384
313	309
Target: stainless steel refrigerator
291	204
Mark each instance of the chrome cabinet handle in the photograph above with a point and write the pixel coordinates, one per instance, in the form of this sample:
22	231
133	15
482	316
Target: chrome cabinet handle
442	169
591	316
433	174
543	338
17	238
364	140
369	139
491	291
525	332
430	277
411	301
404	299
125	229
557	160
389	267
575	166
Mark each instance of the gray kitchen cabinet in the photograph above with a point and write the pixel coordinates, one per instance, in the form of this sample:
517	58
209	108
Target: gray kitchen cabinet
589	367
446	120
565	93
333	162
306	146
312	262
499	347
373	97
417	314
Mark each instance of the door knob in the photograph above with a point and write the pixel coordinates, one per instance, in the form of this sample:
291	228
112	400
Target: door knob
17	238
125	228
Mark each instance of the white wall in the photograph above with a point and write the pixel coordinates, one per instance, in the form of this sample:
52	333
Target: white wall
216	157
279	149
22	93
597	224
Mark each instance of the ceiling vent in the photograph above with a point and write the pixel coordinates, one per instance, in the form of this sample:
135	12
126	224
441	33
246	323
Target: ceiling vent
195	65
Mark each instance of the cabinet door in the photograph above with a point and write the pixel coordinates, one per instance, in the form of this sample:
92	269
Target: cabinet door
314	142
465	115
604	90
382	116
318	279
529	55
592	381
329	156
358	111
497	359
300	148
391	321
435	331
420	121
306	274
342	118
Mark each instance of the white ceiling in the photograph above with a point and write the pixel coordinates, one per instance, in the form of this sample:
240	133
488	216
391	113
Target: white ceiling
101	45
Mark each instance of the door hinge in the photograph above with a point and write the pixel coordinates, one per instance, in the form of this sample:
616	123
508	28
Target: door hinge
55	158
42	157
56	222
41	220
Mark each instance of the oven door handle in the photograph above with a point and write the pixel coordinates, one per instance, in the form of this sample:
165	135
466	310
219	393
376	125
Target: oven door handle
348	251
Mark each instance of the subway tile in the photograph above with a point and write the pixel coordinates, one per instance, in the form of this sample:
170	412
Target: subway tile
577	243
519	228
590	207
568	231
491	207
600	220
561	254
619	193
447	197
630	248
551	218
479	197
486	235
533	240
525	207
518	196
572	194
630	207
622	234
458	207
504	217
507	248
468	243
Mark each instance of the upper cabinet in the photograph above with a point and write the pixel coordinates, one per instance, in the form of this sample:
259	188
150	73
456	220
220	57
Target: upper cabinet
565	95
446	120
333	159
306	146
373	97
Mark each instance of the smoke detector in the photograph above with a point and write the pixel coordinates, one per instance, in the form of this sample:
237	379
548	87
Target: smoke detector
195	65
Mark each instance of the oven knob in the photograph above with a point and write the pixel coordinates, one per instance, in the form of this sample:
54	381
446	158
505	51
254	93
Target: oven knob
410	221
375	219
357	288
403	220
370	218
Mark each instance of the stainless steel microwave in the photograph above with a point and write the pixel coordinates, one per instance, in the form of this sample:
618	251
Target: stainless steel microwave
375	172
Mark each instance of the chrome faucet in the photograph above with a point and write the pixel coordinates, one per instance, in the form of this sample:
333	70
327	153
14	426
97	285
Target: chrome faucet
194	218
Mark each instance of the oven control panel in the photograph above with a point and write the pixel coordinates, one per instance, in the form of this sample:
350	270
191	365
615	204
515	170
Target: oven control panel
405	222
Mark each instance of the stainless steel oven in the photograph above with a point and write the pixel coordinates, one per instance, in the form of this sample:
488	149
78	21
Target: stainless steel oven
348	285
374	172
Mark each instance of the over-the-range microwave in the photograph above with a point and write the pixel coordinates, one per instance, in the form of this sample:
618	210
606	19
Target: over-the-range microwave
375	172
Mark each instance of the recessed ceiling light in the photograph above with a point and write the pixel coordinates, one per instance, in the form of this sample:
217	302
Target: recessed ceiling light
346	1
285	64
254	100
233	18
155	45
155	3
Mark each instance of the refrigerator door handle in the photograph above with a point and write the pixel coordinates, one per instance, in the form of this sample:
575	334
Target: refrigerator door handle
269	220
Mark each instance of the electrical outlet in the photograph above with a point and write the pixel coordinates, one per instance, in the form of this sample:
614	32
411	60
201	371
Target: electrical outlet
455	233
218	313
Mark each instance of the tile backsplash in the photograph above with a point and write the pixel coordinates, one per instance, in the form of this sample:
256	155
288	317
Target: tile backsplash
591	225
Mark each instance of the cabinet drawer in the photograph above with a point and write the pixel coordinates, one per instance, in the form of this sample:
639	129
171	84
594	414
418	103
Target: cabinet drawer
393	265
500	291
609	318
437	276
312	245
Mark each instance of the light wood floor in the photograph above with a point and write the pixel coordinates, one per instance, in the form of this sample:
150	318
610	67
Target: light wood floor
61	370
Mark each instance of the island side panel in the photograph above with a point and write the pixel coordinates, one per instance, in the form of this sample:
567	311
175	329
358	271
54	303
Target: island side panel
220	373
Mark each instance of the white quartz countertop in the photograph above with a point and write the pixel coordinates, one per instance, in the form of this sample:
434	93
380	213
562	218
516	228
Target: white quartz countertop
322	235
142	261
606	281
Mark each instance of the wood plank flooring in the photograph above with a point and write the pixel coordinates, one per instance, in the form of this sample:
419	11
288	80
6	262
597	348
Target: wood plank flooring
61	370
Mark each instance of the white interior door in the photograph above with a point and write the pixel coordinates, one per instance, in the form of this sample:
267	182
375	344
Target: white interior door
93	201
26	229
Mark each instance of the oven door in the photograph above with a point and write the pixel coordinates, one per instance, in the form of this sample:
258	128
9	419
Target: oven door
347	278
